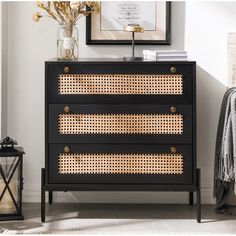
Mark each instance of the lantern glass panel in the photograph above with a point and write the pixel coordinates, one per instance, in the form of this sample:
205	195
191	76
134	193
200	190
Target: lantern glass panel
8	165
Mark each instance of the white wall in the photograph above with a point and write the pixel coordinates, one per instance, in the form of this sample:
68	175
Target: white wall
4	79
207	28
1	64
30	44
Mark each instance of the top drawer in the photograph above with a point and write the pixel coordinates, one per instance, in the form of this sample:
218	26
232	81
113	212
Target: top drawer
103	82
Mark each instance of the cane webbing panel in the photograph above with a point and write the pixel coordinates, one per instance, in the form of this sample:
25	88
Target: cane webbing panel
120	84
120	124
120	163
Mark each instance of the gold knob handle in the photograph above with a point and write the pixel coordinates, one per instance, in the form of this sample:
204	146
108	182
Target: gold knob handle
66	149
173	109
173	149
67	69
66	109
173	69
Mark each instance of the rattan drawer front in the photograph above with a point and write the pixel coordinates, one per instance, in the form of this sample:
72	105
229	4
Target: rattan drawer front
120	163
120	124
120	84
149	83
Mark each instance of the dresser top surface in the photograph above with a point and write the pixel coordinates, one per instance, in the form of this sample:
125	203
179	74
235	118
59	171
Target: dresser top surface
116	60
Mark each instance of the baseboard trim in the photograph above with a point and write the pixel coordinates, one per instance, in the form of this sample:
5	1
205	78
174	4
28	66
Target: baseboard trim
32	194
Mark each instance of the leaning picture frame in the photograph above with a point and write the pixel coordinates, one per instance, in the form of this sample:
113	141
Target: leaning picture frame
107	26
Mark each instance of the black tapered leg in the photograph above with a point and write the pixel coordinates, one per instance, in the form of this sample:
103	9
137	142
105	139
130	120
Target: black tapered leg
43	195
190	198
50	197
198	196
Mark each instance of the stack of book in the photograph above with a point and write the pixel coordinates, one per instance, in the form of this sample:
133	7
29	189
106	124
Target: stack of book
165	55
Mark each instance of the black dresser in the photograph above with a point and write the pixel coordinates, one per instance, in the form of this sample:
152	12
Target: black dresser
112	125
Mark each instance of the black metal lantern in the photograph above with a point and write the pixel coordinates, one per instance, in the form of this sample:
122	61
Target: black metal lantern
11	180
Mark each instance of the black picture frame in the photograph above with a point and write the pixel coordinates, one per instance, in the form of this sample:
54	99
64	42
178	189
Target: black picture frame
166	41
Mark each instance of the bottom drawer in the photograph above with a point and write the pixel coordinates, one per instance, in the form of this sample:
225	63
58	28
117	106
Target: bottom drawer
116	163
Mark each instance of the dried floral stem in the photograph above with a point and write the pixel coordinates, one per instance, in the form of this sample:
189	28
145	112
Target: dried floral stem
66	12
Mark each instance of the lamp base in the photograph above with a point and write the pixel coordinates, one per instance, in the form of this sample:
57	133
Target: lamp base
132	58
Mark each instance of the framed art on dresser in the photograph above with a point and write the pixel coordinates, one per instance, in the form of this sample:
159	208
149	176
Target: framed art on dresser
107	27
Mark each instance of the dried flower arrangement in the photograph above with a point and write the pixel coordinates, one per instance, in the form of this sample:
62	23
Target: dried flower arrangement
67	14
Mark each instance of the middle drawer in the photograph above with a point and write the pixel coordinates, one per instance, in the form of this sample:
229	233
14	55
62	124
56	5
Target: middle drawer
120	123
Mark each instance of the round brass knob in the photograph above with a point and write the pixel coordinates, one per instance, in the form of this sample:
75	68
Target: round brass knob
173	69
67	69
173	109
66	109
173	149
66	149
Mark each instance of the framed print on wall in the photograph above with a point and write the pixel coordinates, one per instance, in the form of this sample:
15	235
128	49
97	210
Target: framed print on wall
107	27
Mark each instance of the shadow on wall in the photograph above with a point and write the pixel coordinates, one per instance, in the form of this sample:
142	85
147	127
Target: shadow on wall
210	93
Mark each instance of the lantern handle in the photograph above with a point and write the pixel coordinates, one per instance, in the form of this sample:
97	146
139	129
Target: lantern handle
8	142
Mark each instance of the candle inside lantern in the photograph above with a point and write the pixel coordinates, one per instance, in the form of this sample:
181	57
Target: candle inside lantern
6	204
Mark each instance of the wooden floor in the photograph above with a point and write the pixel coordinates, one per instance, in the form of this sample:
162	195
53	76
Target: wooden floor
120	219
